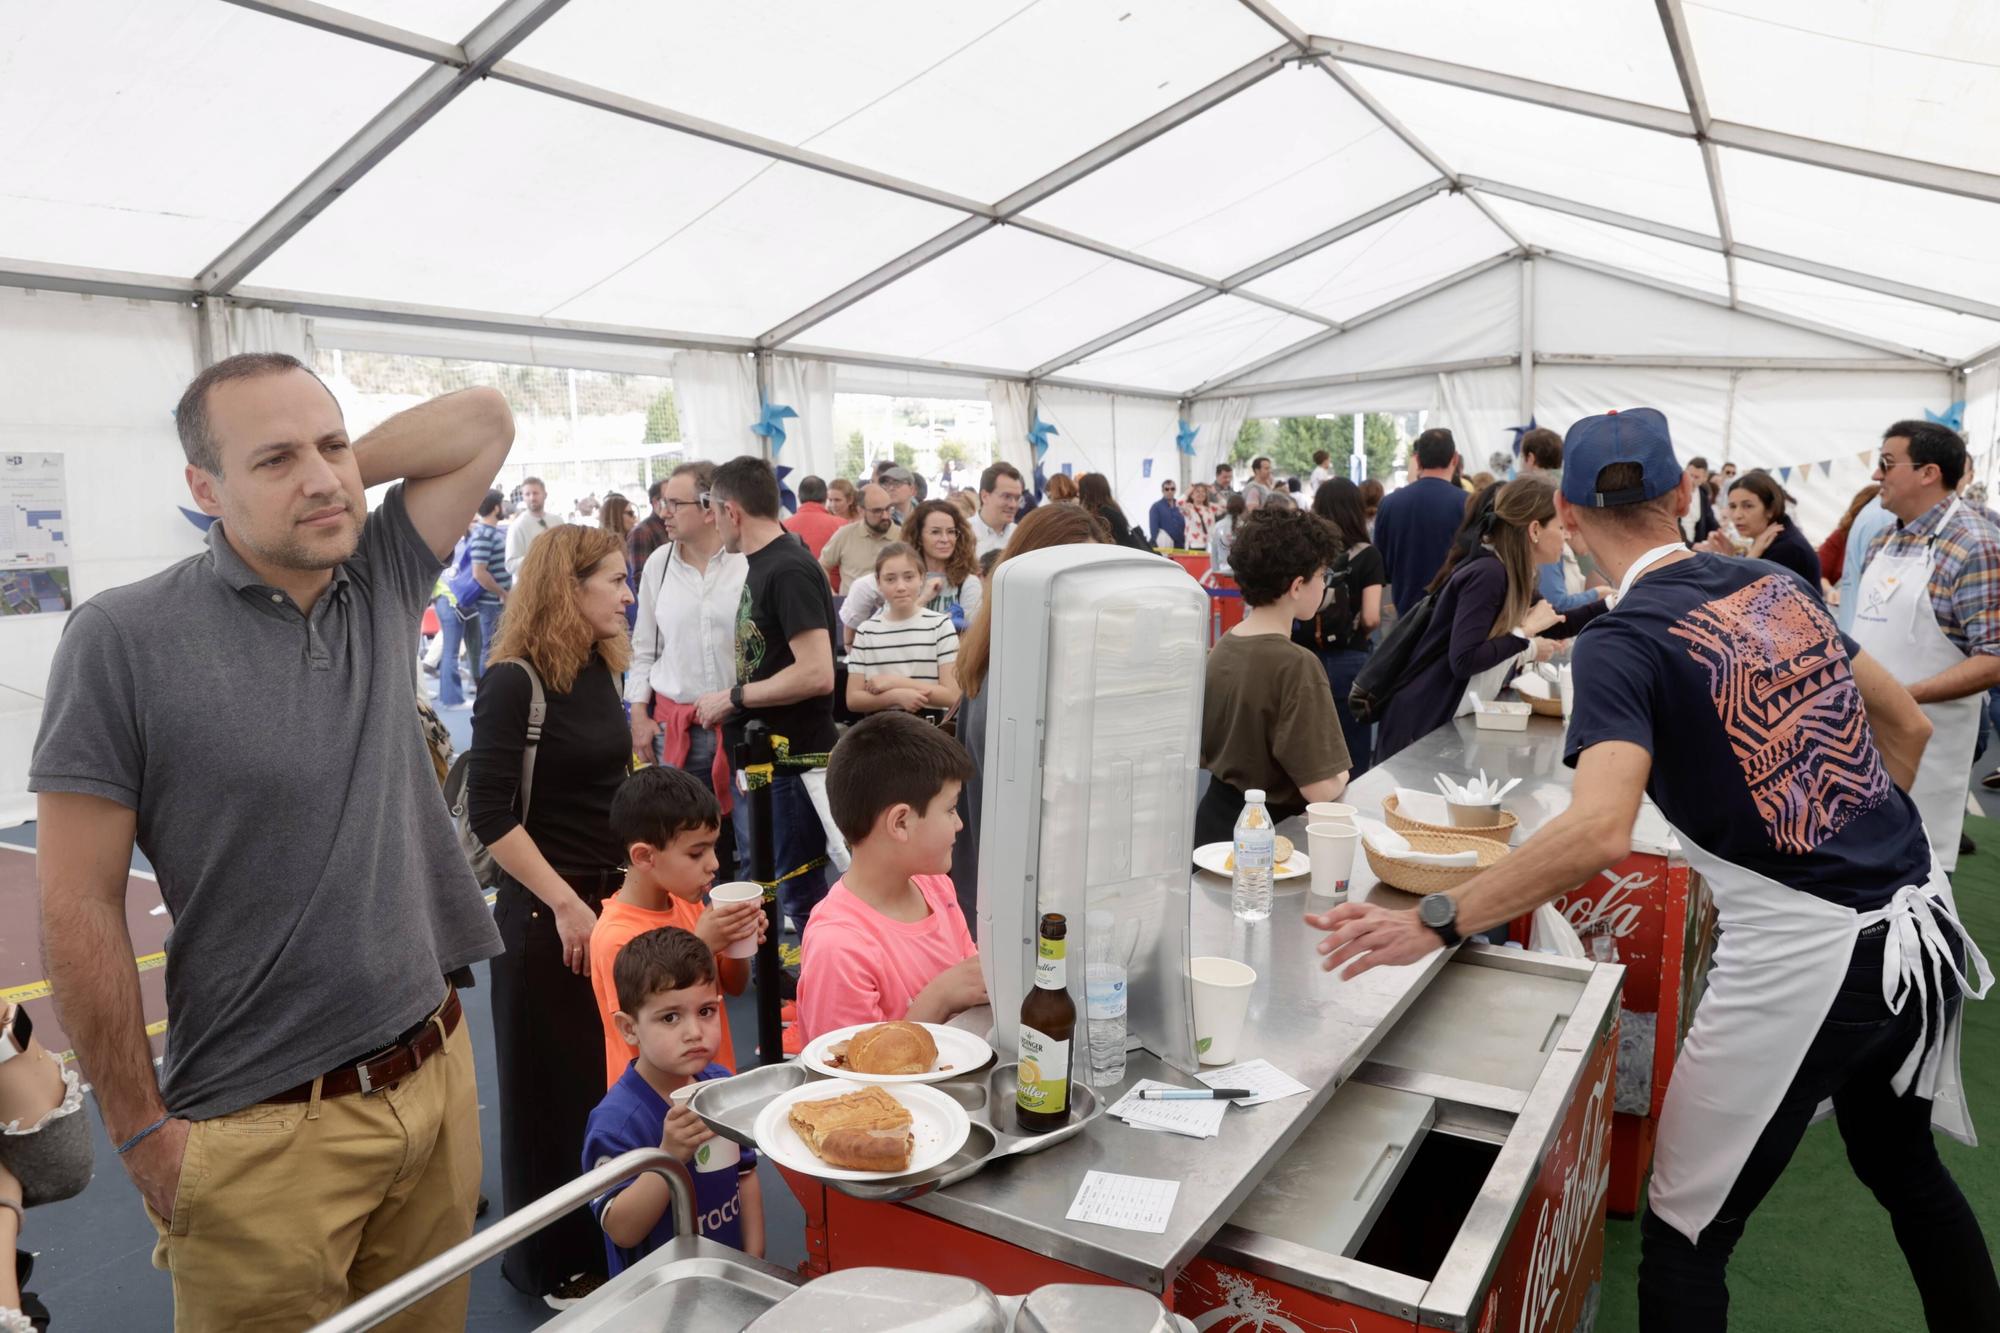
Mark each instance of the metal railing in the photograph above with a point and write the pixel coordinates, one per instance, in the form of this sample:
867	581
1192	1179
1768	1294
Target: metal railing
510	1230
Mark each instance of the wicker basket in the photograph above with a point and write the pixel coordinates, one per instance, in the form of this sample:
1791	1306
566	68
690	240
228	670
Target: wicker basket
1502	832
1543	707
1411	877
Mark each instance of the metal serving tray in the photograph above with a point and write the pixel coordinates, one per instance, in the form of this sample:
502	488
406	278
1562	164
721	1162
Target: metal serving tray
730	1106
690	1285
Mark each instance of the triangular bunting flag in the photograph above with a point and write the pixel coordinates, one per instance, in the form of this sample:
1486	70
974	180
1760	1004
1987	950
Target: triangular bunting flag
1784	474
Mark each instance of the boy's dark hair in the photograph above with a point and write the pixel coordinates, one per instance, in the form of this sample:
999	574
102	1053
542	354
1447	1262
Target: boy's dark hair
886	760
658	804
1434	449
1932	443
1272	547
1544	446
990	559
750	483
659	960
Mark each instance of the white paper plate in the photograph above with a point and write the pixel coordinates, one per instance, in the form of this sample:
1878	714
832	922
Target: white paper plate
959	1052
1214	858
940	1127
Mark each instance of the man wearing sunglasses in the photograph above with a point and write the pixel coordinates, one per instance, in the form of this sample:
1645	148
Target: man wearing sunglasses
684	640
1165	518
850	553
1928	608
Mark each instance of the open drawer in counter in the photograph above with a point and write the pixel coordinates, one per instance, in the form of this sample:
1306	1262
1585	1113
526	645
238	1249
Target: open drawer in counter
1458	1180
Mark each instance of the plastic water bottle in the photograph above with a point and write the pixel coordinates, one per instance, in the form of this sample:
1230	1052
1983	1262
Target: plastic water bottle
1256	846
1104	1001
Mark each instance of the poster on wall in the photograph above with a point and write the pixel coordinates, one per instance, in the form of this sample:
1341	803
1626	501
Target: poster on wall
34	535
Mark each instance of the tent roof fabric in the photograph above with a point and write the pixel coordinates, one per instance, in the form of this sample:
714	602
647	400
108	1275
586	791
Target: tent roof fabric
1160	197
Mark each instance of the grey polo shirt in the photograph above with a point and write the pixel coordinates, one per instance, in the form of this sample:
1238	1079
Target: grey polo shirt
286	799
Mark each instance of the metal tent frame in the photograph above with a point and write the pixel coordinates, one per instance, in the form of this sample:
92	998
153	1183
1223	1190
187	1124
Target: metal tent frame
452	68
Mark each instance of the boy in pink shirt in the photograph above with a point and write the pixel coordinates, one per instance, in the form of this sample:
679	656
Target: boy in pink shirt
889	941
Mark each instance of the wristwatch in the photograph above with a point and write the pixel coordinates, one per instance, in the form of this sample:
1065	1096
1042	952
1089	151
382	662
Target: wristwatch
736	697
1439	911
14	1034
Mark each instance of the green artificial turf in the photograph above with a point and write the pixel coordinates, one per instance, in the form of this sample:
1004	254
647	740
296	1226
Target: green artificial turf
1819	1256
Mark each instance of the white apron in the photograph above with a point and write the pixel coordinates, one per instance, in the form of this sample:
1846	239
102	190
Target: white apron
1782	957
1895	623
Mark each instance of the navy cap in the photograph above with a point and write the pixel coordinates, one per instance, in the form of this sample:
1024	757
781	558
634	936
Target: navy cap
1636	435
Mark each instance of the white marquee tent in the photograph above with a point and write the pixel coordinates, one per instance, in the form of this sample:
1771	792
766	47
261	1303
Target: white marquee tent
1774	219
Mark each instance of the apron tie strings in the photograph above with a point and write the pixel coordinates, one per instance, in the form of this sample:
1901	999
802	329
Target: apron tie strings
1916	954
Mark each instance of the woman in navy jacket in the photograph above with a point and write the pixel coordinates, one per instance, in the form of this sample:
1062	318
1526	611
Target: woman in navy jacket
1487	610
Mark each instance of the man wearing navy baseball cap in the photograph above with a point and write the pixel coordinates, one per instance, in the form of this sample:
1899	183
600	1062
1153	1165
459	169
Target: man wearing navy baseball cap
1781	754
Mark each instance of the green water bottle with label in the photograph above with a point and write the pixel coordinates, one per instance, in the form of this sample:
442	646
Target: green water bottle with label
1048	1024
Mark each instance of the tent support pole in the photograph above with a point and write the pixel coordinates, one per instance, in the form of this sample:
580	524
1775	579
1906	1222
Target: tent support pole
761	359
1527	340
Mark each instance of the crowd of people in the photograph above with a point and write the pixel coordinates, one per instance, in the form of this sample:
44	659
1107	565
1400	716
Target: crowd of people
325	912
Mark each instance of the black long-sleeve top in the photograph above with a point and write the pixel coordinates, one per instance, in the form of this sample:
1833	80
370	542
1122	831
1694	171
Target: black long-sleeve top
585	752
1463	622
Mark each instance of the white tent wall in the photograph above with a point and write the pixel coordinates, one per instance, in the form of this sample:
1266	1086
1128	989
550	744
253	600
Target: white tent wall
1217	423
1821	424
717	393
807	388
1010	400
94	379
1407	393
1982	421
1117	435
1479	407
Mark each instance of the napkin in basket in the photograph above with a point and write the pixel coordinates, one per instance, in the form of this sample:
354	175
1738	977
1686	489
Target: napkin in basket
1388	842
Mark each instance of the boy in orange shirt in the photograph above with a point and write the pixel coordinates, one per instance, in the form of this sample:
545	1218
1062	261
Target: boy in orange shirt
667	822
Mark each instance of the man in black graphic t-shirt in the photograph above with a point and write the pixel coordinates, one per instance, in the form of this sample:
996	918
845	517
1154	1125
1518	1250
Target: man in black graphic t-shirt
785	632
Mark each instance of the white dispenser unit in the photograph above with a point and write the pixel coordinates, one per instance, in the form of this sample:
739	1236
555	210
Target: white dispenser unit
1093	736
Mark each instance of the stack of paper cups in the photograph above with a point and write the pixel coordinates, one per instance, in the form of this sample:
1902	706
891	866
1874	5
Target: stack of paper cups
1329	812
1331	849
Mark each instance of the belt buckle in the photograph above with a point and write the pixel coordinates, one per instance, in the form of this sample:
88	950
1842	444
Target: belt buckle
368	1085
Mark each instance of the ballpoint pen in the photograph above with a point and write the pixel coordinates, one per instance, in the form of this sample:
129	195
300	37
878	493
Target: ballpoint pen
1193	1094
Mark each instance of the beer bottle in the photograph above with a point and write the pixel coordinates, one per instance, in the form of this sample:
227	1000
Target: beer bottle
1048	1022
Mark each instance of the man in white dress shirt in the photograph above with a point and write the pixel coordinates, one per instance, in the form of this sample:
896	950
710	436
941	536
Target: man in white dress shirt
1000	491
684	641
529	524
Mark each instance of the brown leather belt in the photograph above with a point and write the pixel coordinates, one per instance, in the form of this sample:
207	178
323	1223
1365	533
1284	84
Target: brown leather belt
388	1066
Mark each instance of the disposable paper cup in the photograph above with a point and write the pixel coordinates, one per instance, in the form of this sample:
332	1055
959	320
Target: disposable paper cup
741	891
1472	816
1221	999
1329	812
718	1154
1331	847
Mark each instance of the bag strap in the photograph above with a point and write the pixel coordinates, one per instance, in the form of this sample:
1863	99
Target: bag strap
538	711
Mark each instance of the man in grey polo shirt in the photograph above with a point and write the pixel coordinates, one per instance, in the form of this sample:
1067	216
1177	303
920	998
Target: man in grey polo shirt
247	717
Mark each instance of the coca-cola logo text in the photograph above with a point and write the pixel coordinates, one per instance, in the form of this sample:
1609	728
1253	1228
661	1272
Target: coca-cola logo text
1613	910
1564	1221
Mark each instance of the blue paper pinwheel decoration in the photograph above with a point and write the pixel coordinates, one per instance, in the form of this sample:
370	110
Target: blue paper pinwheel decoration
1184	437
1519	431
1038	436
1954	416
785	495
771	425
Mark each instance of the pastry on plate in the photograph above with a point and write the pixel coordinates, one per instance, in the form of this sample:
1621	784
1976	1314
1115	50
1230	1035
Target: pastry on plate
1281	852
867	1130
886	1048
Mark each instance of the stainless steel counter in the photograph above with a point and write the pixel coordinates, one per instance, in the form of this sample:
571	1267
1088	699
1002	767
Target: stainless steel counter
1315	1027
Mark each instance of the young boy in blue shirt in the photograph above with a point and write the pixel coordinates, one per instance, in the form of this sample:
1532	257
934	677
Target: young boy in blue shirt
670	1008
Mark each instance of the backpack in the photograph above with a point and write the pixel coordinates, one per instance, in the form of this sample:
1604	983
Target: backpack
1333	627
459	580
458	781
1394	662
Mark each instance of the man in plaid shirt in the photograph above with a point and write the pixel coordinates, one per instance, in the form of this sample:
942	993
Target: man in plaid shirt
1940	639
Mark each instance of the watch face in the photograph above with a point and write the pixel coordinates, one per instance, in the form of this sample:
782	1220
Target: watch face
1437	909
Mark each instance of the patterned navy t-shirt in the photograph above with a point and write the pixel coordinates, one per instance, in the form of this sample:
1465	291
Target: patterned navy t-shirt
1735	678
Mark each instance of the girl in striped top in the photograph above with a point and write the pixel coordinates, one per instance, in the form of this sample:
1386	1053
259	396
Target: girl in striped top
904	656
